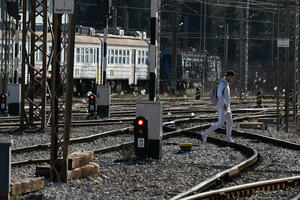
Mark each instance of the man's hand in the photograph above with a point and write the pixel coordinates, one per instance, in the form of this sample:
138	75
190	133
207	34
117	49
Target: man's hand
225	107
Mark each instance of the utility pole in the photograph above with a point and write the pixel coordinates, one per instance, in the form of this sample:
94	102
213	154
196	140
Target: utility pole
296	62
37	109
272	46
201	65
62	87
226	37
283	41
204	50
16	51
186	34
244	49
107	15
174	47
115	18
287	30
126	15
278	91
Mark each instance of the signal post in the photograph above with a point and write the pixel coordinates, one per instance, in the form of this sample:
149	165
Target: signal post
91	106
103	90
3	103
151	110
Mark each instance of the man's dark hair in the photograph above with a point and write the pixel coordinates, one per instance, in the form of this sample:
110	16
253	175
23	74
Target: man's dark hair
230	73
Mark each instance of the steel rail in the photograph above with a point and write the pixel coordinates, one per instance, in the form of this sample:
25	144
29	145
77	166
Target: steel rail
297	197
245	189
214	180
223	175
124	130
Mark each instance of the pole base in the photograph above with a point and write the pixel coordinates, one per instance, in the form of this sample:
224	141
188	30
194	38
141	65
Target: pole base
103	111
155	149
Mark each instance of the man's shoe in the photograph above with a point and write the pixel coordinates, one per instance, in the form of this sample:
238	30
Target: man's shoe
204	136
229	140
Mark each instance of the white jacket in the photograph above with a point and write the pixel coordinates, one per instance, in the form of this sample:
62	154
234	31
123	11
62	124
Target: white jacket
223	97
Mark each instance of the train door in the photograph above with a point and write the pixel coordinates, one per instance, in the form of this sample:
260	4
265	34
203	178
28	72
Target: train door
133	66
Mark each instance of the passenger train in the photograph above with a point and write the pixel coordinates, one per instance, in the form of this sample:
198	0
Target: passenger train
127	60
191	70
127	63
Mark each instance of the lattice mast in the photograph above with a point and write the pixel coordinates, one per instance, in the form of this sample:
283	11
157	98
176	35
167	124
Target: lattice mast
62	91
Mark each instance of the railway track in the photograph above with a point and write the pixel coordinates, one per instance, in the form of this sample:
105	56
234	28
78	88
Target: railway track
239	191
190	132
225	189
125	121
126	116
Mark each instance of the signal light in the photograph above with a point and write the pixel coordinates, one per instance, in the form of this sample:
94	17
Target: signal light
140	122
3	102
141	136
92	103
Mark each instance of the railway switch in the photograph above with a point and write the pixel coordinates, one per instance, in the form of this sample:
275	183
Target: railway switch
92	103
3	102
141	137
152	111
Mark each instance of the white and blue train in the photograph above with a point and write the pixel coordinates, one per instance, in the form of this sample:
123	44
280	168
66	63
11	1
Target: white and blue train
128	63
127	60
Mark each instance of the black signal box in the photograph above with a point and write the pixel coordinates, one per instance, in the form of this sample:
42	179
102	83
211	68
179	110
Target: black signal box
141	137
92	103
3	101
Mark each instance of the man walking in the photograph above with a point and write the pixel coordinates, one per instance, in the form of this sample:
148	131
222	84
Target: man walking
223	107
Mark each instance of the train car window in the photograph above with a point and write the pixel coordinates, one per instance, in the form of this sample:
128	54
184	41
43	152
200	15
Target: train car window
120	56
124	57
139	57
116	56
143	57
147	58
97	55
82	55
91	55
77	55
108	57
127	57
112	57
86	55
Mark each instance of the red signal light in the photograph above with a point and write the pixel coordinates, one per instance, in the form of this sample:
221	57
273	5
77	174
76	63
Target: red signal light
92	97
3	96
140	122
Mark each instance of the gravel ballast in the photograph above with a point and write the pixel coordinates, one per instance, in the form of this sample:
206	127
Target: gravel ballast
29	139
123	177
